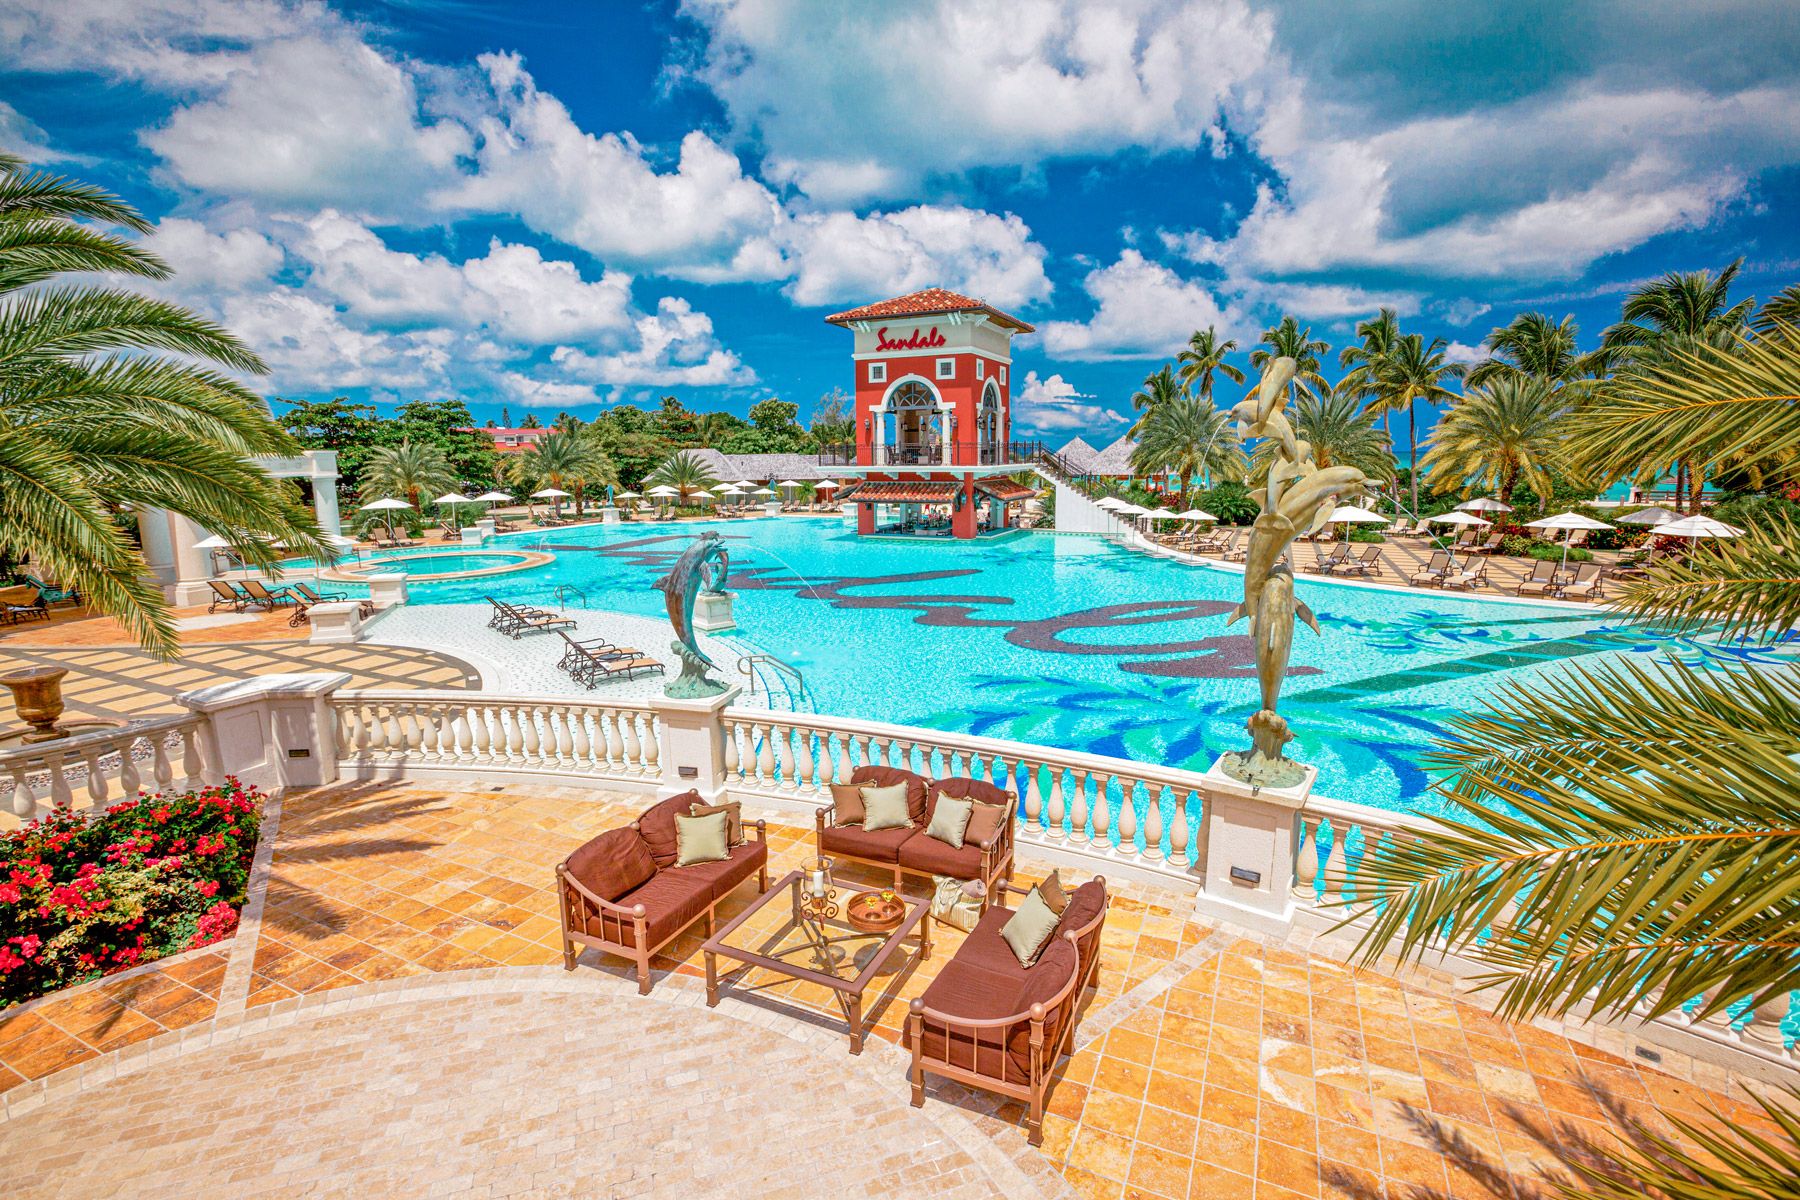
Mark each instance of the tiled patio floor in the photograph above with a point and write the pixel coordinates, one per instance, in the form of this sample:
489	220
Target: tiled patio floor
1208	1064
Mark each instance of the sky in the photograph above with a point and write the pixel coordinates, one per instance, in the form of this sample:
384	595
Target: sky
577	203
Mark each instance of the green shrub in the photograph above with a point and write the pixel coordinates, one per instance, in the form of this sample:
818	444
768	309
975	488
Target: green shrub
1546	552
1766	512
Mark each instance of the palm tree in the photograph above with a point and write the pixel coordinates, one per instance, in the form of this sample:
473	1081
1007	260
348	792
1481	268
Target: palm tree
1532	344
1190	438
1203	358
1159	389
1363	362
1783	308
683	472
106	404
570	461
409	470
1672	315
1413	370
714	427
1510	430
1627	834
1288	340
1339	434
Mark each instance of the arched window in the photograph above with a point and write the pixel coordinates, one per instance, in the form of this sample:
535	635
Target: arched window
912	395
987	422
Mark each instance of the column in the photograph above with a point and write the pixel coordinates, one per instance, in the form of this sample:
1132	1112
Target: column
275	731
691	745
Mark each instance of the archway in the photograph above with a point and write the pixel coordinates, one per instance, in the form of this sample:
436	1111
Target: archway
987	424
912	423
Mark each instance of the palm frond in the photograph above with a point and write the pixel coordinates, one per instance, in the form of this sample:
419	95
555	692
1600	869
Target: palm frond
1718	1161
34	250
41	194
1749	585
75	321
155	391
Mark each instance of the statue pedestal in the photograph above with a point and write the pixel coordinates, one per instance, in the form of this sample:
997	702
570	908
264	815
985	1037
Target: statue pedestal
609	515
692	749
1251	837
471	535
712	611
771	508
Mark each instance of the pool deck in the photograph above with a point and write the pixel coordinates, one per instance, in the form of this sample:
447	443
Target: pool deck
392	1019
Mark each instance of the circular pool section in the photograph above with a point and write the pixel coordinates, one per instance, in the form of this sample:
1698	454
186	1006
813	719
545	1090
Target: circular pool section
432	566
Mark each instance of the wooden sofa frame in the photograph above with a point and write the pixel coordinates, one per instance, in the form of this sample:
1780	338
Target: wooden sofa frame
996	852
576	905
1044	1056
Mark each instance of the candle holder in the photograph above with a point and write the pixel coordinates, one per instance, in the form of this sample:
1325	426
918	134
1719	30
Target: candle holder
818	895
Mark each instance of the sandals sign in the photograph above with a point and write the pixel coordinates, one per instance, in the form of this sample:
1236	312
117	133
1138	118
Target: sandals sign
920	340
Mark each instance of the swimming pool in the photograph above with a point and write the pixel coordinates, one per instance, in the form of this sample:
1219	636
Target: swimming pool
432	566
1073	642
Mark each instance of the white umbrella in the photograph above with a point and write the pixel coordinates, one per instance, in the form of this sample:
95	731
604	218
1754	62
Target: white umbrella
702	494
1571	522
627	496
1455	518
827	485
1354	513
787	483
1112	502
550	493
1195	514
762	492
1483	504
731	489
746	484
1650	516
663	489
215	542
386	504
1698	526
452	498
494	498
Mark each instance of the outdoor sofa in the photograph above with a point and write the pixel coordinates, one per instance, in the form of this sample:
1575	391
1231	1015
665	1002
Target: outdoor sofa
987	1022
913	849
622	893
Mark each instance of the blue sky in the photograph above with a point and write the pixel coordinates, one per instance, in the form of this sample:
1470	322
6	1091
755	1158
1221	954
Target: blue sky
555	206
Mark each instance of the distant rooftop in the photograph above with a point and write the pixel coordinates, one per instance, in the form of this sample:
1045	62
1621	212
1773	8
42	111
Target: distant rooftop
927	303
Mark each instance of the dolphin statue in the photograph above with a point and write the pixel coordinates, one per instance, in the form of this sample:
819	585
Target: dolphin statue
683	583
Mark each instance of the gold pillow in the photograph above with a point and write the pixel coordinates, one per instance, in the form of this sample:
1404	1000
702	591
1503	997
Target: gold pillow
1029	929
701	839
734	818
885	808
1052	892
846	804
949	820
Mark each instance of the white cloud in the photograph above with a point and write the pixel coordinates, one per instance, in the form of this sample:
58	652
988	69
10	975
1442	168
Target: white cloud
172	43
1326	301
1144	310
674	347
1462	352
895	93
205	261
1054	404
841	256
310	347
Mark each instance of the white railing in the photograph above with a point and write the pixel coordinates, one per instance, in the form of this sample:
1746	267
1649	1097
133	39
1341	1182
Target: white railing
584	739
1129	810
96	769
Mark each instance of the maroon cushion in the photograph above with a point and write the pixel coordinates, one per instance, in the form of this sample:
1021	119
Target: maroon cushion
881	846
924	853
986	949
1085	903
671	900
887	777
964	990
726	873
612	864
1054	968
657	825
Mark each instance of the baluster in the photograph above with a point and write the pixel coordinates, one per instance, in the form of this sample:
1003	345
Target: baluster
1053	811
1102	807
1764	1030
1025	779
652	744
24	799
397	738
60	795
160	770
415	723
779	736
629	743
462	735
534	741
1153	821
1178	828
765	755
1125	831
808	777
1306	862
1078	809
130	781
443	720
190	762
730	748
565	737
1334	861
579	745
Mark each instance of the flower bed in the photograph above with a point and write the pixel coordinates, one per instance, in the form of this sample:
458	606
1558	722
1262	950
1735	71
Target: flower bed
84	895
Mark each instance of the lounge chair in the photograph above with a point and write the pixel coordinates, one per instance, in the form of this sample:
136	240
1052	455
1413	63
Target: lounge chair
266	600
225	595
594	670
515	621
1541	582
1435	571
50	593
1239	548
1472	576
1491	546
1366	563
1588	584
579	652
1337	558
23	604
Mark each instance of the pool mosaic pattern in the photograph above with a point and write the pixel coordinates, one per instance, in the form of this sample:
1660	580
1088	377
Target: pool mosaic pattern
1077	643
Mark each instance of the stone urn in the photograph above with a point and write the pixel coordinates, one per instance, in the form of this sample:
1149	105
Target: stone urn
37	694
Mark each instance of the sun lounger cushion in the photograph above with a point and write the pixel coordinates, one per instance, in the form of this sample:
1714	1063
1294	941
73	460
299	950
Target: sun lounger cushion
613	863
879	846
726	873
671	899
657	826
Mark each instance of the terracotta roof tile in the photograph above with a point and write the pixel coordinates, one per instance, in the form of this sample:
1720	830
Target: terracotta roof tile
887	492
924	304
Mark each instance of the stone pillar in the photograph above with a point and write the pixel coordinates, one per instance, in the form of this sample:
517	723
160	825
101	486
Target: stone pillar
771	507
712	611
325	505
334	622
692	745
275	731
609	514
486	525
1247	849
864	516
962	520
387	589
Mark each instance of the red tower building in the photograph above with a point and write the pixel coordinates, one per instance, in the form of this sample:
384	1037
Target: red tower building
933	416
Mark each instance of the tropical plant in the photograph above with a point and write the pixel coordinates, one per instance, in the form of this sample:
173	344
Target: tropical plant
1411	371
683	472
1783	308
568	461
409	471
1362	362
1339	434
1532	344
1626	835
1203	358
1161	388
106	406
1190	438
1512	429
1288	340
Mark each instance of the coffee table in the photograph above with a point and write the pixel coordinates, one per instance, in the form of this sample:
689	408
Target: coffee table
775	935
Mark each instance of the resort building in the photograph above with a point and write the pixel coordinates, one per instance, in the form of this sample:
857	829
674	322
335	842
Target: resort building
933	416
1114	462
762	468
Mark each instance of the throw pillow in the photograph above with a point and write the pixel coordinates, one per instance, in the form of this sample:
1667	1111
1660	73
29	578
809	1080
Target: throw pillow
984	822
846	804
885	808
612	864
657	825
701	839
734	818
1052	892
949	820
1028	930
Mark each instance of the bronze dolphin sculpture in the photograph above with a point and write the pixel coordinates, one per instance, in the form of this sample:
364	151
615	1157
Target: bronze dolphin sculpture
683	583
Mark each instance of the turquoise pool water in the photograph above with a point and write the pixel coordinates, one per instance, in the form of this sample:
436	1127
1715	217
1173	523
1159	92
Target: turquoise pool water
1072	642
415	565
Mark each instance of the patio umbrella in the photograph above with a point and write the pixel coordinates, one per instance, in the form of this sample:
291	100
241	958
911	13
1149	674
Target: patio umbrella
746	484
386	504
702	494
1455	517
1698	526
663	491
787	483
1571	522
550	494
1157	514
1353	514
762	491
731	489
628	496
1111	502
450	500
1195	514
827	485
1650	516
215	542
1483	504
494	498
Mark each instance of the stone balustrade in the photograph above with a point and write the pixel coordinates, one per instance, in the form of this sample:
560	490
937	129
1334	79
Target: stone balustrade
93	770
